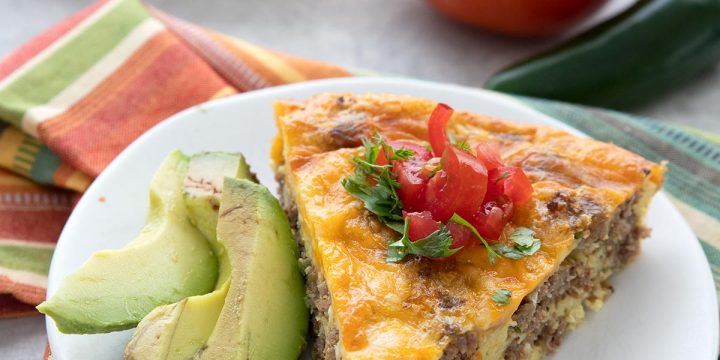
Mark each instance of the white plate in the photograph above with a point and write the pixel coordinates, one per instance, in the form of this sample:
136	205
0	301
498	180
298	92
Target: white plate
664	306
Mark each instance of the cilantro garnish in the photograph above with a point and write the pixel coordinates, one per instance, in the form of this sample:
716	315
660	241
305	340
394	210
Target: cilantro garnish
525	244
435	170
401	154
433	166
380	199
502	176
491	252
375	184
435	245
579	235
501	297
462	144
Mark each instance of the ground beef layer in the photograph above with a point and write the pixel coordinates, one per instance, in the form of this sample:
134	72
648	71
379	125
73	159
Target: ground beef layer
580	283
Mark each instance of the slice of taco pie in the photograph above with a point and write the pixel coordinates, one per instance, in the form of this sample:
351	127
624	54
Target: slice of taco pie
429	233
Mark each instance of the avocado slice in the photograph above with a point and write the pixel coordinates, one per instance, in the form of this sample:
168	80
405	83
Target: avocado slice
264	315
232	322
180	330
202	189
203	186
168	261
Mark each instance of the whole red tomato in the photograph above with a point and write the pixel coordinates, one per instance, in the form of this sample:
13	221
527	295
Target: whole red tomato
526	18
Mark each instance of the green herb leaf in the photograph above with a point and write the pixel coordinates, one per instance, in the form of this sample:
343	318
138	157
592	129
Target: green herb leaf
435	170
525	244
372	149
579	235
395	225
509	252
502	176
379	199
462	144
397	250
401	153
492	254
435	245
501	297
379	195
523	237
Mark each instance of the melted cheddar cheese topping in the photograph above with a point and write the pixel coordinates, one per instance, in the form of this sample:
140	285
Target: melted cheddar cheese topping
410	310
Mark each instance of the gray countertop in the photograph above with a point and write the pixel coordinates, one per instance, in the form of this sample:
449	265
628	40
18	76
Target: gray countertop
399	37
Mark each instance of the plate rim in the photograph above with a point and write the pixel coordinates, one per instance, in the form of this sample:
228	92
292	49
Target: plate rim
319	85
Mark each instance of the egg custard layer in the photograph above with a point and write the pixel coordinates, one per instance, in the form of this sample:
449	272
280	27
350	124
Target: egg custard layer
367	308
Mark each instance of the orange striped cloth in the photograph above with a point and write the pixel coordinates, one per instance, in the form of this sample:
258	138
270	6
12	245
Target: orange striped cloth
75	96
31	217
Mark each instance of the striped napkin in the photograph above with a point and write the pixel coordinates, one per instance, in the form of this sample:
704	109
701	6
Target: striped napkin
75	96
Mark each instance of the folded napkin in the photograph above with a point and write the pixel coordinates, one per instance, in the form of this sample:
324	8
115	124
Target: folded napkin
75	96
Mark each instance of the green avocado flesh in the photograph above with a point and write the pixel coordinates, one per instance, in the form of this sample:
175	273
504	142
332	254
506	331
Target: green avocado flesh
180	330
204	183
168	261
258	313
264	315
203	187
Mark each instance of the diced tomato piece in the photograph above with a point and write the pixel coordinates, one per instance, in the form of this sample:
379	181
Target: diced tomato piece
489	155
412	179
433	199
381	159
490	221
458	188
506	205
421	225
496	186
462	236
514	183
437	128
518	187
473	185
411	174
